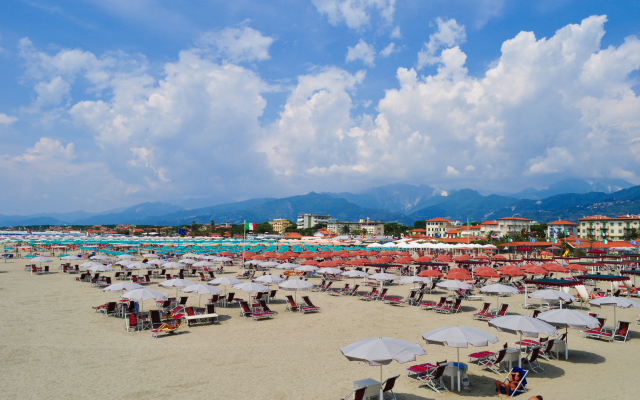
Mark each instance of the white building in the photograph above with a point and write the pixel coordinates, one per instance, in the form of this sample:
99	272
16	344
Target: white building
310	220
513	225
555	228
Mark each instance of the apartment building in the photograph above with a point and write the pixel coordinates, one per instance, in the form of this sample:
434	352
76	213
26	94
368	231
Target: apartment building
513	225
366	226
437	226
600	226
280	225
566	228
310	220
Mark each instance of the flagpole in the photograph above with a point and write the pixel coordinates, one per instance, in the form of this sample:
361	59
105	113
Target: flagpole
244	235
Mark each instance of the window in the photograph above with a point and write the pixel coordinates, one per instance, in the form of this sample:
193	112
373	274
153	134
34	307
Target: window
619	230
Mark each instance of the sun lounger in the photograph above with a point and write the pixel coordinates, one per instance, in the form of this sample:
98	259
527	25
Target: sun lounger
247	313
428	305
532	362
265	308
595	332
209	316
387	388
357	394
291	304
354	291
309	306
156	332
369	296
494	364
501	313
483	311
434	380
453	309
521	387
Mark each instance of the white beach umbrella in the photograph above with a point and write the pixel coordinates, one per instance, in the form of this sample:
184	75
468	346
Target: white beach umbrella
382	351
415	279
41	259
224	281
614	302
355	274
454	285
204	264
101	257
176	283
125	262
187	261
565	318
70	257
201	289
222	259
306	268
190	255
251	287
382	277
141	295
329	271
519	324
269	279
498	290
119	287
459	336
552	295
269	264
90	264
149	255
100	268
126	257
296	285
286	266
172	265
156	261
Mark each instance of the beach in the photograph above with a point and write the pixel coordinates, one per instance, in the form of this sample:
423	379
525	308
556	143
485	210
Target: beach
55	346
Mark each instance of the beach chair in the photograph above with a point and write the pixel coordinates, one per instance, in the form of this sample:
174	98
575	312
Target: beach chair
272	295
382	294
247	313
449	310
320	287
265	308
434	380
354	291
326	288
595	332
215	298
521	387
534	313
545	350
156	321
46	270
357	394
156	332
418	300
310	307
340	291
495	364
622	332
387	388
369	296
431	305
532	362
291	304
110	310
484	311
637	321
133	322
203	278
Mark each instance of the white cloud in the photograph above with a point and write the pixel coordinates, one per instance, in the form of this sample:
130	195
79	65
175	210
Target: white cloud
362	51
356	14
395	33
487	9
449	34
237	44
386	52
7	119
547	108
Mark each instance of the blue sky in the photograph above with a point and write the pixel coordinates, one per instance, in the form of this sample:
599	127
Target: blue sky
111	103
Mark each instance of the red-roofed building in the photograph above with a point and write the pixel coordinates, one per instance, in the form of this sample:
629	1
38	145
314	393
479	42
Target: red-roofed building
437	226
513	225
610	228
566	228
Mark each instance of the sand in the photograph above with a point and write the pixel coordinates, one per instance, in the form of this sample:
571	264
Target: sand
55	346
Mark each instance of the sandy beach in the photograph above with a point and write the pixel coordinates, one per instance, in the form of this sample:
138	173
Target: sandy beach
55	346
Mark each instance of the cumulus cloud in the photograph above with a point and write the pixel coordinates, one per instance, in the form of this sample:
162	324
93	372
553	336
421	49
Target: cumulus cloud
237	44
395	33
7	119
356	14
386	52
362	51
547	108
449	34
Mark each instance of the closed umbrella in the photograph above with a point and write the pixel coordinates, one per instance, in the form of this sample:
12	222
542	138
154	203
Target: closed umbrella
382	351
527	326
615	302
459	336
568	319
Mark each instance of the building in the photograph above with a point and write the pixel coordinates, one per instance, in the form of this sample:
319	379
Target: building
488	227
365	226
280	225
557	228
513	225
310	220
437	226
614	228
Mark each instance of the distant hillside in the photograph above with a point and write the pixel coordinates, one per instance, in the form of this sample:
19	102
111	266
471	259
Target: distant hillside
569	185
399	197
464	204
131	214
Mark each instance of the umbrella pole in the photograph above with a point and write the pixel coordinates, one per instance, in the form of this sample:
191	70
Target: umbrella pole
566	342
458	369
520	353
381	394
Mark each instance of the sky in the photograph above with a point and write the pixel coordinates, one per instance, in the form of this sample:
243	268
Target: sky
107	104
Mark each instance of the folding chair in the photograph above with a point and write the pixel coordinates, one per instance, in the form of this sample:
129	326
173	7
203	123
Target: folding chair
434	379
495	364
532	362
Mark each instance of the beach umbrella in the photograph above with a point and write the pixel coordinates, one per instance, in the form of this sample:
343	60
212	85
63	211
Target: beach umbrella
101	257
382	351
414	280
100	268
70	257
140	295
251	287
383	276
172	265
204	264
41	259
222	259
176	283
201	289
459	337
126	257
269	279
458	276
486	272
124	262
269	264
119	287
330	271
296	285
355	274
149	255
565	318
187	261
614	302
306	268
498	290
430	273
224	281
527	326
552	295
454	285
286	266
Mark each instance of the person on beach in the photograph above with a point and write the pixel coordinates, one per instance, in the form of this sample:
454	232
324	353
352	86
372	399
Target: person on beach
510	386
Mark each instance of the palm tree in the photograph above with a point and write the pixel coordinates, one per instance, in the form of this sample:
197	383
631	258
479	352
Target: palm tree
345	229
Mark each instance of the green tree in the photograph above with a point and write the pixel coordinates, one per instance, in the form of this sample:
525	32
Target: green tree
264	227
345	229
291	228
539	231
422	224
213	225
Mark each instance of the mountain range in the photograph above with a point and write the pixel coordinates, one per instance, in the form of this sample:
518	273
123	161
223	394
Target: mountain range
401	203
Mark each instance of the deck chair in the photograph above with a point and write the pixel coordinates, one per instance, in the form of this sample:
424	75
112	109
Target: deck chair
484	312
320	287
387	388
532	362
430	306
326	288
155	319
357	394
534	313
369	296
110	310
265	307
202	277
291	304
417	301
354	291
434	380
309	306
247	313
597	331
156	332
494	364
622	332
521	388
382	294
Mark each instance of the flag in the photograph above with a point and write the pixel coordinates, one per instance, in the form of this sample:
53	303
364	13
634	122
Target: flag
532	240
578	242
554	240
86	233
603	234
510	240
605	241
633	242
181	231
250	226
